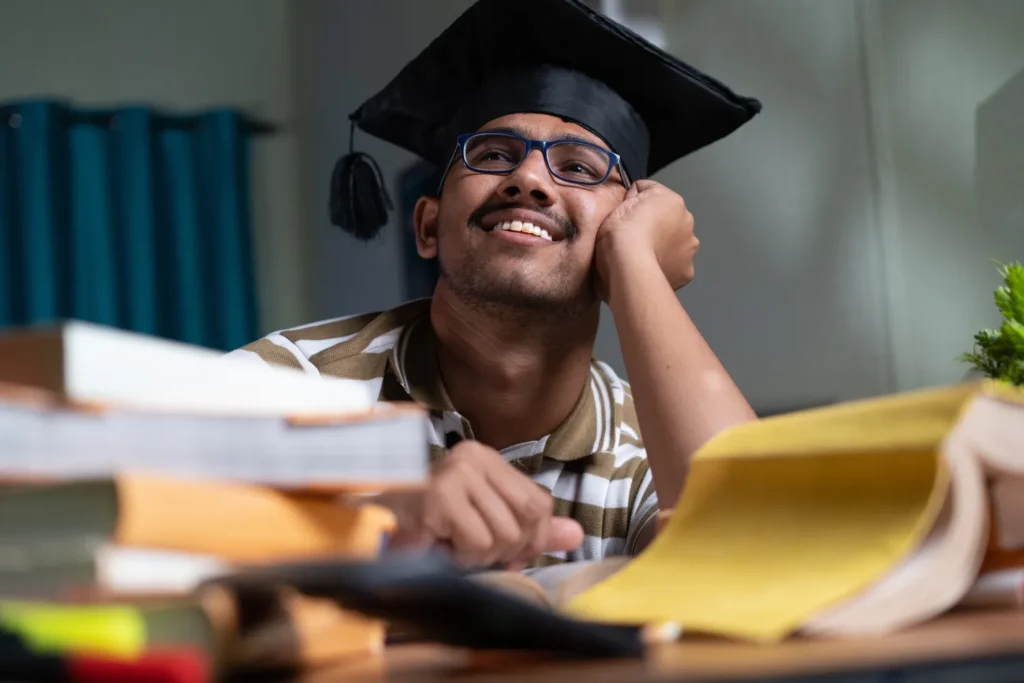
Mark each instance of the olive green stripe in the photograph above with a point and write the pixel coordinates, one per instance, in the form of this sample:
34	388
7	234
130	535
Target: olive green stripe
602	464
330	330
365	366
574	438
378	326
626	439
638	477
648	492
595	520
273	354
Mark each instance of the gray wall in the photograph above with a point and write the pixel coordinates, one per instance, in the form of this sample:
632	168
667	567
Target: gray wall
349	51
179	54
948	103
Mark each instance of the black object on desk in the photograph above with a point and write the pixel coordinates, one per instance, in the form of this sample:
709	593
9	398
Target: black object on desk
436	598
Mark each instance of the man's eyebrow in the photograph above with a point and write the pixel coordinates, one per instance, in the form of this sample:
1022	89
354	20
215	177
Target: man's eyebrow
516	130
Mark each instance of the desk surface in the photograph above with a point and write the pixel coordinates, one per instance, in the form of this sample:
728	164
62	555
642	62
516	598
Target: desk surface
967	646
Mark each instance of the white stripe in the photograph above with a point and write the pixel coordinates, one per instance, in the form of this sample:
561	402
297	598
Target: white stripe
557	555
618	391
639	509
277	339
522	450
452	422
435	435
618	398
595	447
593	490
596	548
549	474
629	431
626	452
610	547
605	411
310	347
384	342
324	322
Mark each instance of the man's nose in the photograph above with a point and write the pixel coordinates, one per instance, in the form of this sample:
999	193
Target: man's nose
530	178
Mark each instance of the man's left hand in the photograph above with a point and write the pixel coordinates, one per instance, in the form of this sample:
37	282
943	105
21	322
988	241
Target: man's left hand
652	222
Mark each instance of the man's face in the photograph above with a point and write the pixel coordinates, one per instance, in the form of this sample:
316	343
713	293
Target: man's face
483	263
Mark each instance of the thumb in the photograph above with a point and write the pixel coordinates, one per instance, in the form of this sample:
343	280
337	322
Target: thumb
563	534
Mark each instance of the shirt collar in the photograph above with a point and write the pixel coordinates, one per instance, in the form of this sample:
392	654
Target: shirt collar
592	425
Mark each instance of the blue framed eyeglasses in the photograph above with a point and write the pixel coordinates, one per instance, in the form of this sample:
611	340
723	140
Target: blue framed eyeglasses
572	161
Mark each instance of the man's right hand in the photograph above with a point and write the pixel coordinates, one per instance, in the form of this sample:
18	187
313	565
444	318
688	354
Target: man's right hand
485	509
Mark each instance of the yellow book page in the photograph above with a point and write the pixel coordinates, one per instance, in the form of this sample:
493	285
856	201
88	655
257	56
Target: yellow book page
784	517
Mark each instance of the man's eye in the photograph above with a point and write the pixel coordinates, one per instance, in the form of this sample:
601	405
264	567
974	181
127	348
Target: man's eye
578	169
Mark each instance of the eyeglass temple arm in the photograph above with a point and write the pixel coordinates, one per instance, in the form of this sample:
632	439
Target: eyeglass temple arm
447	168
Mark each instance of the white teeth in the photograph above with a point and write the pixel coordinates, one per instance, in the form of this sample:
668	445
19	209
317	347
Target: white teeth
520	226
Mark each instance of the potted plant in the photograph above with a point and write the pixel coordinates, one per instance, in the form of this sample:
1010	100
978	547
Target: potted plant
999	353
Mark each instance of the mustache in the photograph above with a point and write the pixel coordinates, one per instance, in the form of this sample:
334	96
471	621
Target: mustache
477	217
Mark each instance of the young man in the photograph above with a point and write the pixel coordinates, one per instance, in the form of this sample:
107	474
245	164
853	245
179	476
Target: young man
546	118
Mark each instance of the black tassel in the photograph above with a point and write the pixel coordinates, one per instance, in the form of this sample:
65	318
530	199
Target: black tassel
359	199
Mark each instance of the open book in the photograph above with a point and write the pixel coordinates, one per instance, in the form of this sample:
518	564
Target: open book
859	518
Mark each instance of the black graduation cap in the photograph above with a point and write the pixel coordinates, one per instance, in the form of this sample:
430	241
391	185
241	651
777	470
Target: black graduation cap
556	57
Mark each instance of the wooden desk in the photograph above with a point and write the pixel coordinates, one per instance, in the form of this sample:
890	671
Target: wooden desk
975	647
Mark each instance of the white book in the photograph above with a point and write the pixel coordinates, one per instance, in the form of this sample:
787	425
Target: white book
93	364
388	447
79	400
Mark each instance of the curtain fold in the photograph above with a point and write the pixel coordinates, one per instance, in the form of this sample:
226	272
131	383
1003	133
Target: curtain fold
133	218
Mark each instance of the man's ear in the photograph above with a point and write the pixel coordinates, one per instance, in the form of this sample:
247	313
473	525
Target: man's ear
425	223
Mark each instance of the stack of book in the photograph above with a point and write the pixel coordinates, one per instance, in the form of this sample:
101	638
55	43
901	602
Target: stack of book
134	471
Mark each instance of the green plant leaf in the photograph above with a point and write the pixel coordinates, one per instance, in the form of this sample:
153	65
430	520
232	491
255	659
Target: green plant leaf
999	353
1003	302
1013	334
1014	304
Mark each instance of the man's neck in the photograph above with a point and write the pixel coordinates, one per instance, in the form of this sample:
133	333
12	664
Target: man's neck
513	379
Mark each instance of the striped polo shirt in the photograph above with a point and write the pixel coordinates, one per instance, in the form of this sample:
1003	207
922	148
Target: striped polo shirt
594	463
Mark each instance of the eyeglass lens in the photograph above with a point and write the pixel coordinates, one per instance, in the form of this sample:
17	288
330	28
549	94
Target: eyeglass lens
571	161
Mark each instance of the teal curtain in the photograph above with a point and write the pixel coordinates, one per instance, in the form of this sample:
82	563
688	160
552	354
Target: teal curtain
133	218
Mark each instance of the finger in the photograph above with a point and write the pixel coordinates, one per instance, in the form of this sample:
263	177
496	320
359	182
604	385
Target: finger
507	537
471	539
645	185
531	505
563	535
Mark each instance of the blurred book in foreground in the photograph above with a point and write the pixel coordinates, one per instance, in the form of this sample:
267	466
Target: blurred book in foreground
88	364
859	518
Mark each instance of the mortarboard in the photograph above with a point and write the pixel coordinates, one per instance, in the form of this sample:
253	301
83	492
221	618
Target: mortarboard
555	57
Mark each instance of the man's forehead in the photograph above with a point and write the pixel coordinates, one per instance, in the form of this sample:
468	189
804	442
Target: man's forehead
542	127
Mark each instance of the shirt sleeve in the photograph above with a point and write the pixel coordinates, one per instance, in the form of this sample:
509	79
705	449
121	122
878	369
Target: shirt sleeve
643	505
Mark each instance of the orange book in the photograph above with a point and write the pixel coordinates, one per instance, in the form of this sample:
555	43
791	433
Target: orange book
143	533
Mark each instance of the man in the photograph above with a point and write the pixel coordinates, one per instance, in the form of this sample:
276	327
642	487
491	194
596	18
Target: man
539	114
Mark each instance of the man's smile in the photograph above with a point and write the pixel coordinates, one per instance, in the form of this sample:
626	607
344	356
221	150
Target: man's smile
522	226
